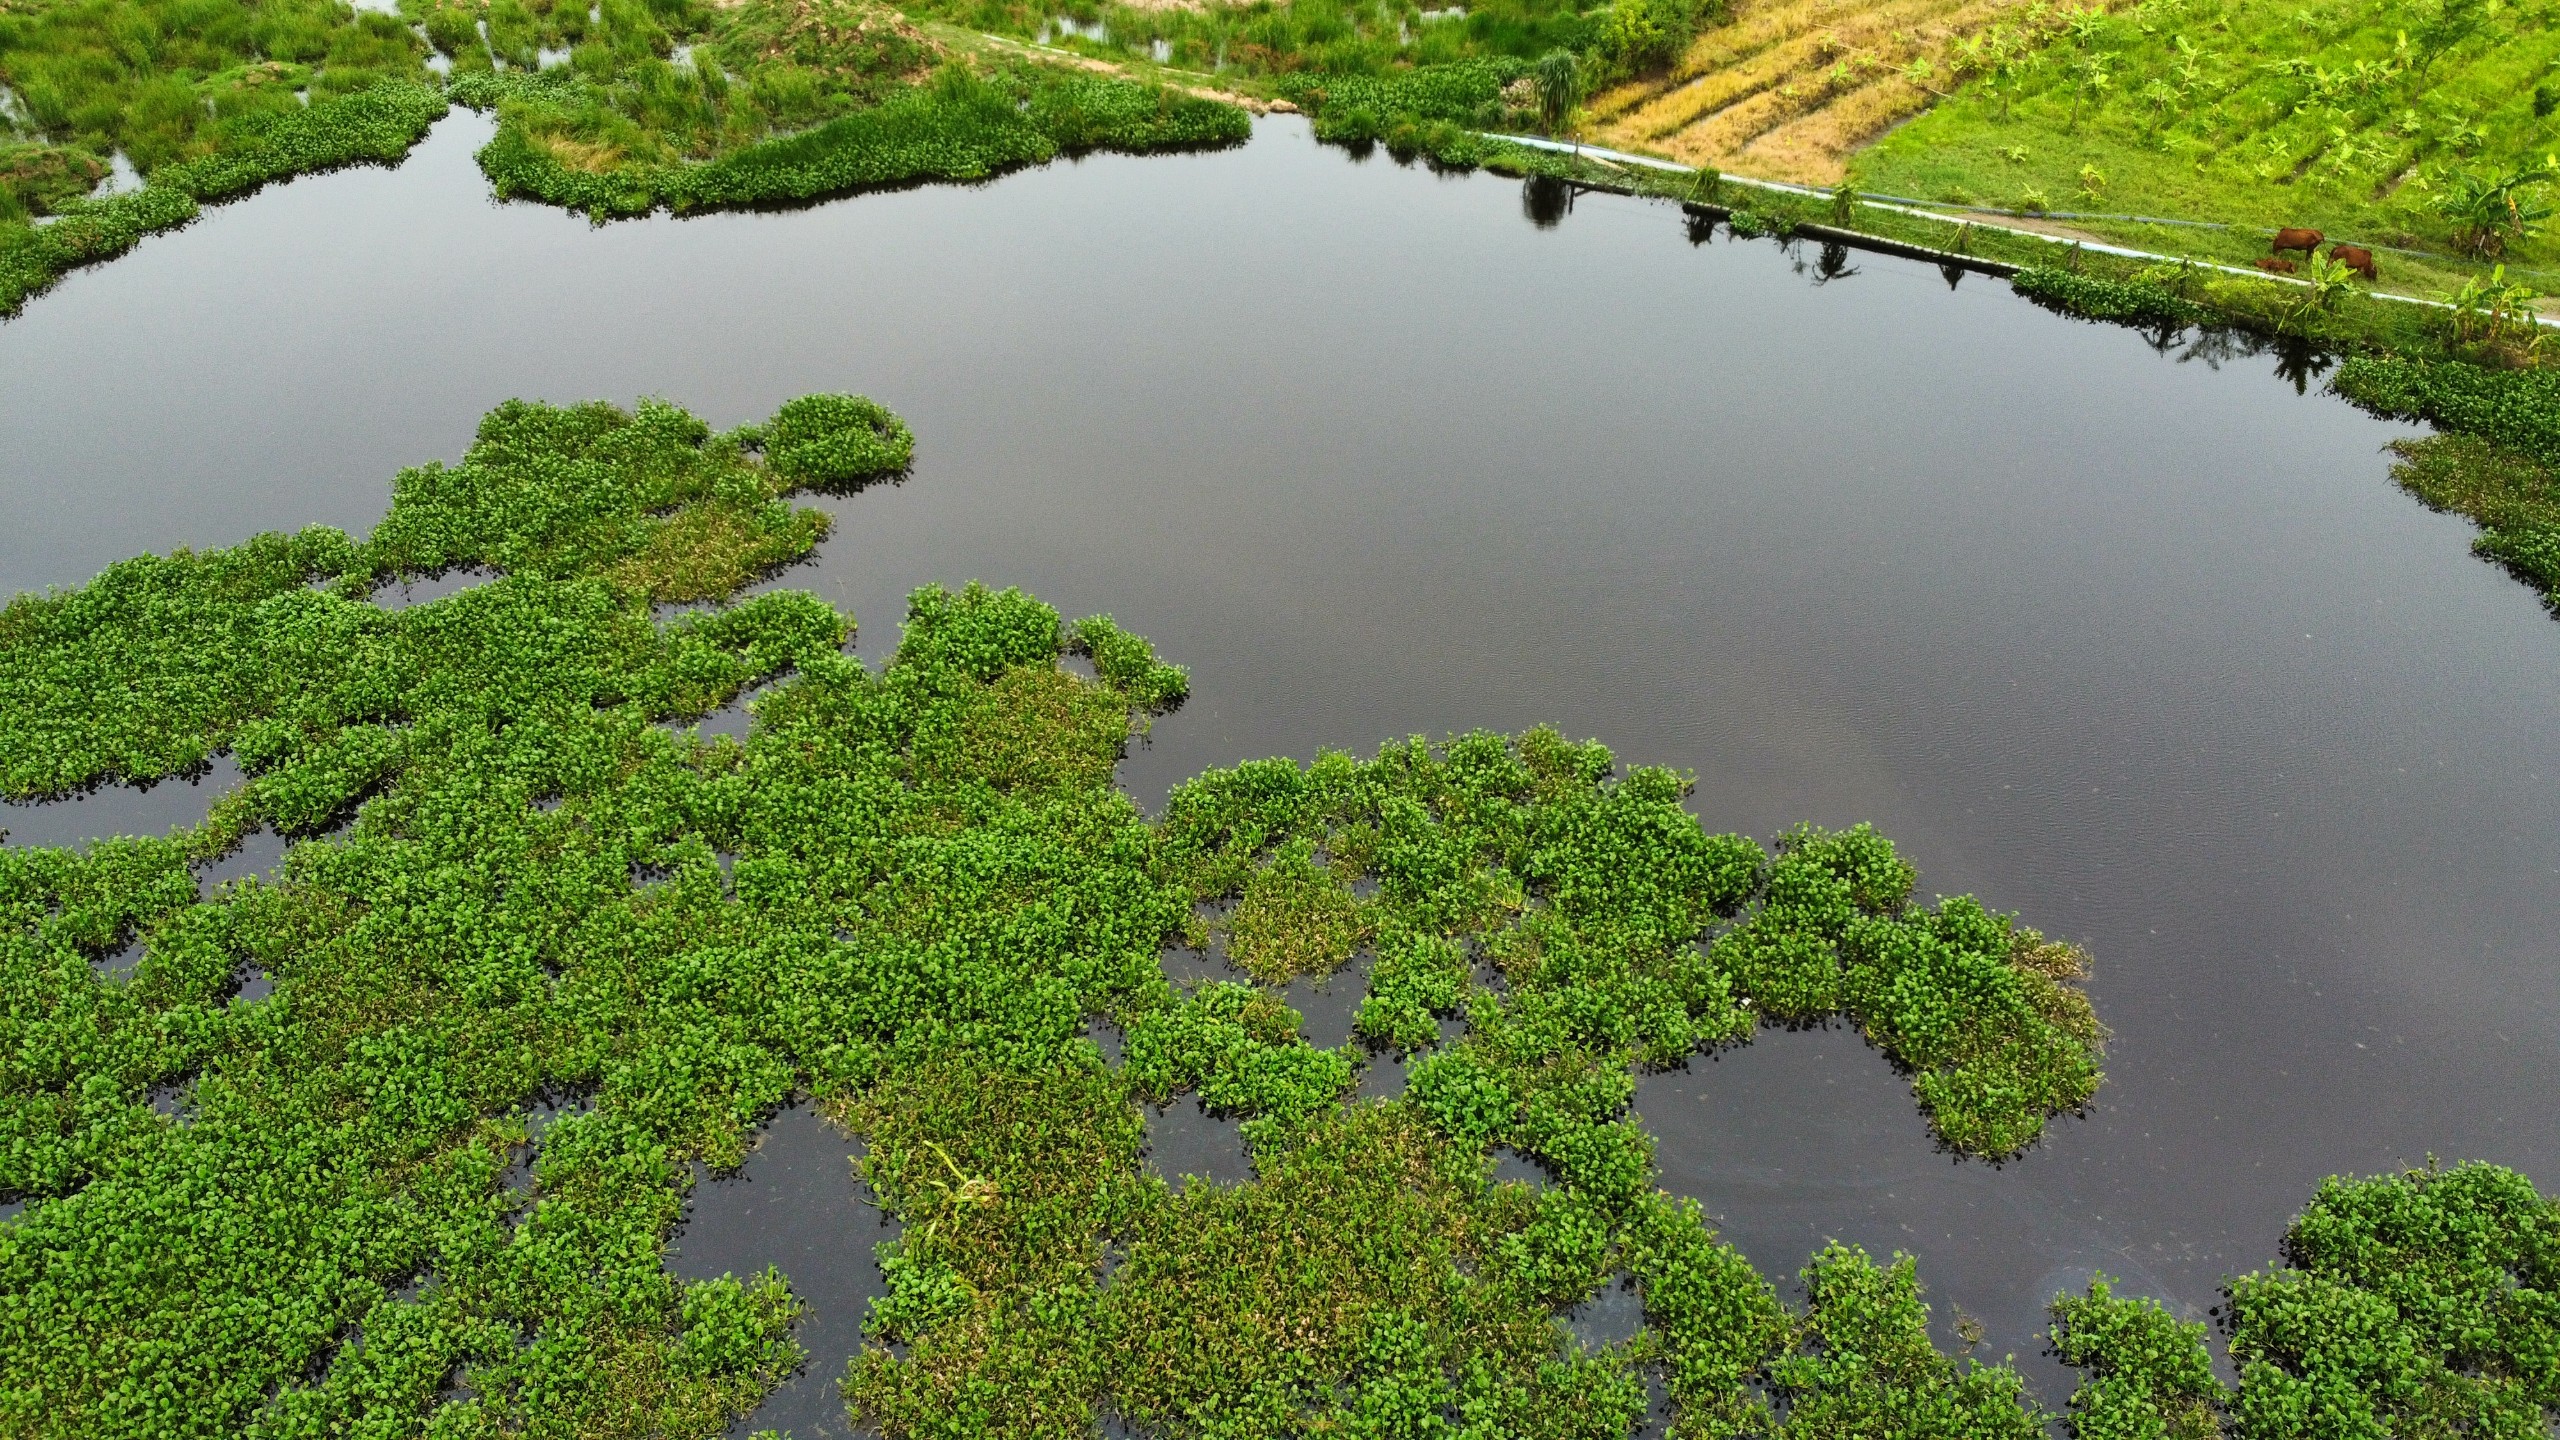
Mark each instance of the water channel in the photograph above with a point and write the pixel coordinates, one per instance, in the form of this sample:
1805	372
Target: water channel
2143	645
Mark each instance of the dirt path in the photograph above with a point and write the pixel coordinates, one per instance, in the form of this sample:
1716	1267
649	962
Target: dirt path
1257	104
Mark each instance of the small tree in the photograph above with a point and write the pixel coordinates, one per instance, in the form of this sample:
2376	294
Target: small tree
1558	78
2325	283
2442	26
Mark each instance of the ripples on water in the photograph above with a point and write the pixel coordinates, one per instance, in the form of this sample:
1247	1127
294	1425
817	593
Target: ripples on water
2142	646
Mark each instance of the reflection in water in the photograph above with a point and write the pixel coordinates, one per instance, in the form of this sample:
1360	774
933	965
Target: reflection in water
731	720
122	963
1384	1079
1184	1139
420	590
146	810
1328	1004
1612	1316
1831	264
1513	1168
1545	200
2152	654
259	853
1107	1038
799	1205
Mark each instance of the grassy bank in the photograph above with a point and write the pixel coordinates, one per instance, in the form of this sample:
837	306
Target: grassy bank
962	126
2383	125
372	126
204	104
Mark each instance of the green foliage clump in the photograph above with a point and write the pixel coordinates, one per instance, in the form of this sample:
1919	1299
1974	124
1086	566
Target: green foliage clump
1870	1369
1716	1323
834	441
1355	107
207	102
2149	1377
166	81
1284	43
650	501
2417	1303
2412	1304
1634	36
2516	409
960	127
1596	899
1129	663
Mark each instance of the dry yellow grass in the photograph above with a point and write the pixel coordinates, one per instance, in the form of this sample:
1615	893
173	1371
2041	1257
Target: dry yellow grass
594	157
1789	89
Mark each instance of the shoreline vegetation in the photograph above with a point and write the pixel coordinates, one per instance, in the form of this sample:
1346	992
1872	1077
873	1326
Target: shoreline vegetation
280	1176
2411	126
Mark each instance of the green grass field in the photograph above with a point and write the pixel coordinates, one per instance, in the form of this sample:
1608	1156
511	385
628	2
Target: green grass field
2364	121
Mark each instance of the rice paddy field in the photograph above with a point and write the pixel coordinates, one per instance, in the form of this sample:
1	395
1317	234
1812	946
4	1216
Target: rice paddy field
2423	129
1792	89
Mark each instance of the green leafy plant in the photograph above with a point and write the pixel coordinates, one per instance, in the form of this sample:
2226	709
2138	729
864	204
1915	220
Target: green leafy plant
2490	212
1558	80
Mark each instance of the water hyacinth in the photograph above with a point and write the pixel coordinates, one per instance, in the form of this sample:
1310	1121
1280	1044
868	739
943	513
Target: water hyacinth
907	893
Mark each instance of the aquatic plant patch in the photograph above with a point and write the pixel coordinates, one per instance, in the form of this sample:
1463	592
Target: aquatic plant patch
2421	1303
907	893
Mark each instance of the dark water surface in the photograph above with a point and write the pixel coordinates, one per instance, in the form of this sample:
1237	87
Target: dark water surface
2149	651
798	1206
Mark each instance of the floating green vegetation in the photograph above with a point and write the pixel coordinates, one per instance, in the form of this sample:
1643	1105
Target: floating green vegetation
908	893
2423	1303
2499	463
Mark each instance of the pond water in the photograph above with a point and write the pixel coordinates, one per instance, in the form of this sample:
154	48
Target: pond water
2147	649
798	1206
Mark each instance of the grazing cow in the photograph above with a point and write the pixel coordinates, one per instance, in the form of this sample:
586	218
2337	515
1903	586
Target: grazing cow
2275	265
2291	238
2356	258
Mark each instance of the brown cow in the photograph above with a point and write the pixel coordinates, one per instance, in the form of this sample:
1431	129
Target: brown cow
2356	258
2291	238
2275	265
